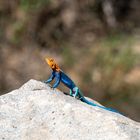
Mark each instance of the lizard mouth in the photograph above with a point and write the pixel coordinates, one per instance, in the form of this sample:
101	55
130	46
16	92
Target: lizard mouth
47	60
50	62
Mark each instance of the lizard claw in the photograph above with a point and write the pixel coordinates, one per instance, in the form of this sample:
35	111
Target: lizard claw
74	95
51	87
43	81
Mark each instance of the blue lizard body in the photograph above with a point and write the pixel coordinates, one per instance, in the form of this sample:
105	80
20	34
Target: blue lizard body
60	76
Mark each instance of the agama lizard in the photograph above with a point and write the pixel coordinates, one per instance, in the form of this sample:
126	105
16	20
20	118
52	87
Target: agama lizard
60	76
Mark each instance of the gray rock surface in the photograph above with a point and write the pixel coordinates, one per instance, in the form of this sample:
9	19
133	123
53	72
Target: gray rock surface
36	112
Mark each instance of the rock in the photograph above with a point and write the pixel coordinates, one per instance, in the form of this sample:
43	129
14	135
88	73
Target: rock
36	112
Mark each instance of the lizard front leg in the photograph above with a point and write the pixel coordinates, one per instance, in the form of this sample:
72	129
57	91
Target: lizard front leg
50	79
57	81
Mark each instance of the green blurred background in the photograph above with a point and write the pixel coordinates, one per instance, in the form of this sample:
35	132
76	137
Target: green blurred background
96	42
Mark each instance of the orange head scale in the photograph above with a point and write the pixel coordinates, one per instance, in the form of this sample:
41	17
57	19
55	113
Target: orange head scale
52	64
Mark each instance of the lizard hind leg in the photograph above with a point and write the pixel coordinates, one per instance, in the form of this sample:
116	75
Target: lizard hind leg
76	92
71	93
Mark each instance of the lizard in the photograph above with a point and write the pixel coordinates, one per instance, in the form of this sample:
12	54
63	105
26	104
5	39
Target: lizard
75	92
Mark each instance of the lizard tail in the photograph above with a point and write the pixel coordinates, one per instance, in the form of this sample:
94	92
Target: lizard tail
93	104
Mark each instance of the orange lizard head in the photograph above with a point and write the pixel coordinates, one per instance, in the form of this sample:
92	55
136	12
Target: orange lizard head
52	64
